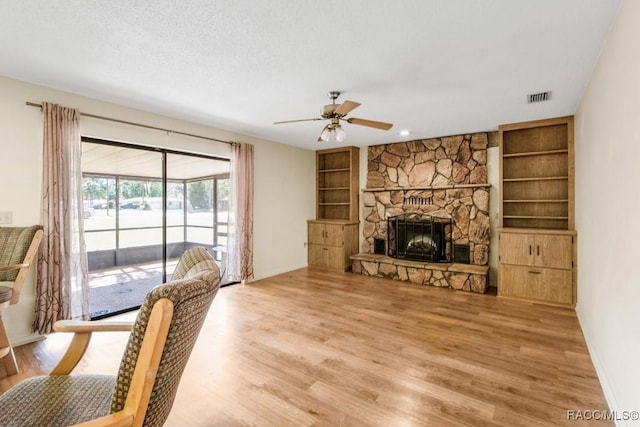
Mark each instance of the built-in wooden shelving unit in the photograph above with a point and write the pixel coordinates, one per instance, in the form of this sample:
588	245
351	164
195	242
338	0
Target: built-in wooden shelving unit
537	174
333	235
537	241
337	183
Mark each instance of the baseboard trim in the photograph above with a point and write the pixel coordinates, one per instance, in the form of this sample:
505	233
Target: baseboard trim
27	340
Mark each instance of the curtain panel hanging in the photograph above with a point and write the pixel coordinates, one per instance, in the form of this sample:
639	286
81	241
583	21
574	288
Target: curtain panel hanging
62	285
240	258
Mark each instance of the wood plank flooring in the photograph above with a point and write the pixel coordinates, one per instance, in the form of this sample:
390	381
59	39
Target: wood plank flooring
315	347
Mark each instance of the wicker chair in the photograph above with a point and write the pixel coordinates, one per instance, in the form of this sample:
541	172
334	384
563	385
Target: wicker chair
18	248
161	340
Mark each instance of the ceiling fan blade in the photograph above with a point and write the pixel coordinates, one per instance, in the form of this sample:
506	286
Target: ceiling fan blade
370	123
344	108
301	120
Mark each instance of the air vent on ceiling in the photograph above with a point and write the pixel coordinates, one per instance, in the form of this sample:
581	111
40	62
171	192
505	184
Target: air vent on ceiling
538	97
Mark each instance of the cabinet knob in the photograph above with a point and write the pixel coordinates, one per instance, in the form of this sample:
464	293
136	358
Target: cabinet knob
534	272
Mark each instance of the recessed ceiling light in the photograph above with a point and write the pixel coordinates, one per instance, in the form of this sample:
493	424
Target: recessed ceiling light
404	133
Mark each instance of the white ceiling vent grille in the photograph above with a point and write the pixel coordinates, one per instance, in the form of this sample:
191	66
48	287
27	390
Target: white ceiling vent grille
538	97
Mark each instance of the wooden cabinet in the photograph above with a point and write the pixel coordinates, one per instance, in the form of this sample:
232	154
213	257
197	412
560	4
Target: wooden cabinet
538	265
539	250
537	241
332	242
337	183
333	235
537	174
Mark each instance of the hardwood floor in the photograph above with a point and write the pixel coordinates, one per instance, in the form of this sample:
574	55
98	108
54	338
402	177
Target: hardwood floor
318	347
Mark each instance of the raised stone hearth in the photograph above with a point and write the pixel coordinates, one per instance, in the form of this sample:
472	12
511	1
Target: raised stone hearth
464	277
440	177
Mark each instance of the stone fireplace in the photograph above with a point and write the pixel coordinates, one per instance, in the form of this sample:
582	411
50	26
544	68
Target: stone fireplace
435	181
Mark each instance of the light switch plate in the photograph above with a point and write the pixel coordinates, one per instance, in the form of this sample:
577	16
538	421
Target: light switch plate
6	217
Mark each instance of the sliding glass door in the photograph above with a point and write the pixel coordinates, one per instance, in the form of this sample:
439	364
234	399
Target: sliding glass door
143	208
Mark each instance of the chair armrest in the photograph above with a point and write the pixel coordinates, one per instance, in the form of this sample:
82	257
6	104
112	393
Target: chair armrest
117	419
82	335
87	326
14	267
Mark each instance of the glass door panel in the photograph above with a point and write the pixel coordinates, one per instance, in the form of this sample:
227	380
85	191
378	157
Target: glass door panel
123	225
198	192
139	220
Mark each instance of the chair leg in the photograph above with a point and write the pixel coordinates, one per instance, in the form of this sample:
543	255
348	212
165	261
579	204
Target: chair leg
7	358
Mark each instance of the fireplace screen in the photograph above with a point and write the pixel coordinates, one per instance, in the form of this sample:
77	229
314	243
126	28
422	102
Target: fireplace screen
424	238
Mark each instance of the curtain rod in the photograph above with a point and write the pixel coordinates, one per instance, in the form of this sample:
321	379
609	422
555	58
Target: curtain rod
177	132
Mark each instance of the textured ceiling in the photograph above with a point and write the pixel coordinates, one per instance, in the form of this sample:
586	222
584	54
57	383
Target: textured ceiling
117	160
436	67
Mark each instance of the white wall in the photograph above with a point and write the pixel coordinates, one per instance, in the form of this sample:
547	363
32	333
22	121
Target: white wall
284	177
607	132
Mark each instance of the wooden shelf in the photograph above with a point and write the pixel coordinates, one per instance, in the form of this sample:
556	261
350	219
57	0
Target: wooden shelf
334	170
535	153
334	188
334	204
545	178
533	217
536	201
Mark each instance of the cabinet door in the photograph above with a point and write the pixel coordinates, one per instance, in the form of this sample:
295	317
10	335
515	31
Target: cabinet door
334	235
516	248
553	285
553	251
317	255
316	233
544	284
513	281
335	257
326	256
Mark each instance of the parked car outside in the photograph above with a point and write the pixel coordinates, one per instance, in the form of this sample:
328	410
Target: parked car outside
130	205
88	212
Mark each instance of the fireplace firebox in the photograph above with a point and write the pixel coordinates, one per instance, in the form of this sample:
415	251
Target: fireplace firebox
417	237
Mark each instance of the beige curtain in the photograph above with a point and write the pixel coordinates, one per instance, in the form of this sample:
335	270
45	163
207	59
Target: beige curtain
240	257
62	286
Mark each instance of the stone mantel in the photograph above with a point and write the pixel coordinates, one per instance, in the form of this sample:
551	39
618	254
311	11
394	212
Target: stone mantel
438	187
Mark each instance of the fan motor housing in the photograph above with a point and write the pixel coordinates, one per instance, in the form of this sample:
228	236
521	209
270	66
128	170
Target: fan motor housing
328	110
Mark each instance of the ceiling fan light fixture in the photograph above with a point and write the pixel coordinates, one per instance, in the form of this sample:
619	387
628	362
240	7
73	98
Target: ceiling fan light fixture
326	134
333	133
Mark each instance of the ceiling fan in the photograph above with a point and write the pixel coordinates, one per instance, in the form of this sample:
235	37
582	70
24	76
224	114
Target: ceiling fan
336	113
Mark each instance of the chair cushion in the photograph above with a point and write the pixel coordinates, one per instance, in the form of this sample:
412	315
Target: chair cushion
56	400
14	244
193	262
5	292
